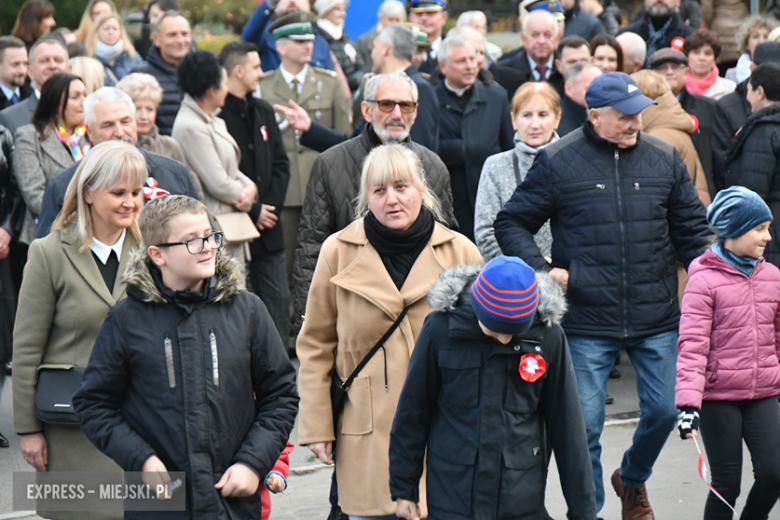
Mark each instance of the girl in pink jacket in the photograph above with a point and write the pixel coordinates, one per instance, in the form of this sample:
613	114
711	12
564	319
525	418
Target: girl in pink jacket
728	374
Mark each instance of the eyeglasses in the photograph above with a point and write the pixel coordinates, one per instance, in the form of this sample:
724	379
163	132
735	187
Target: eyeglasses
196	245
663	67
388	105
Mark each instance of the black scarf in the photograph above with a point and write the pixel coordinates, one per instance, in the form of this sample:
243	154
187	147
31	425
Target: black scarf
399	249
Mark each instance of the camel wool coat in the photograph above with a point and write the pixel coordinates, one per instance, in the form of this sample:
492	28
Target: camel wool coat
352	303
63	302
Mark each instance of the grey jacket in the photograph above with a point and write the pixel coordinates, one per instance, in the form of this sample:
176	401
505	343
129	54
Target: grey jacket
496	186
36	163
18	115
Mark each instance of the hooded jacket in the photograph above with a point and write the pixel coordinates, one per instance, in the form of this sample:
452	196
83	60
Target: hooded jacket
669	122
173	374
753	161
729	333
482	424
619	220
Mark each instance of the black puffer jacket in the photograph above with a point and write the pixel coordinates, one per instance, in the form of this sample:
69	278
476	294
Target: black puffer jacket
151	387
12	208
753	161
348	57
731	113
482	424
328	207
619	219
165	74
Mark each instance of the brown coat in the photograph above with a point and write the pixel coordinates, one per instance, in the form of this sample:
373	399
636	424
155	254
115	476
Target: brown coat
669	122
352	302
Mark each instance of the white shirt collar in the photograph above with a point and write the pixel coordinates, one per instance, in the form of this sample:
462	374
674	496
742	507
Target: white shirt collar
102	251
535	72
301	77
457	91
435	47
10	93
35	89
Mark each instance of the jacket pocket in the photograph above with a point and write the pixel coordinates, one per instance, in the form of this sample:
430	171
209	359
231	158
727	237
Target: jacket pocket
358	412
460	377
450	482
214	358
169	363
522	478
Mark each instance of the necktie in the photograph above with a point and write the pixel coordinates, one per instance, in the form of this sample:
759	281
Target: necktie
542	70
14	99
294	88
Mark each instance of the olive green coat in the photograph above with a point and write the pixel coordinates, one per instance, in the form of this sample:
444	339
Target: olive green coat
63	302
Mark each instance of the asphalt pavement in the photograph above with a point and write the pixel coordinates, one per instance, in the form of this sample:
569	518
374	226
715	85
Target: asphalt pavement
675	489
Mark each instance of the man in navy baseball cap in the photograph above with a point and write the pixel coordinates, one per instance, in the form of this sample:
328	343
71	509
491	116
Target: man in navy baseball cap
624	211
614	106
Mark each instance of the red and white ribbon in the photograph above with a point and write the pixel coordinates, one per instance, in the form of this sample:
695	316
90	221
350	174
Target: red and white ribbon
703	474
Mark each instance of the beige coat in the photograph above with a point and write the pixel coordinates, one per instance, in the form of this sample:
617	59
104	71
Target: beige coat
352	302
212	153
323	99
63	302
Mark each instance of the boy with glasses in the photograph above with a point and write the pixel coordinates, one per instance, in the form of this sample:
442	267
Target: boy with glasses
188	373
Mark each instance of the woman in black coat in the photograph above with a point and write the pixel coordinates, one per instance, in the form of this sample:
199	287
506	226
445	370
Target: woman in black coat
331	15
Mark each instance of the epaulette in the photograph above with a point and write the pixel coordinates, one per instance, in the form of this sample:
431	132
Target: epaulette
330	73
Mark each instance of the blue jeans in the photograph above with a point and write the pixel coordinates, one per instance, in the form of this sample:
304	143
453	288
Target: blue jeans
654	359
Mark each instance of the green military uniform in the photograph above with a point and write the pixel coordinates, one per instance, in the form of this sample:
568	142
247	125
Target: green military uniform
322	96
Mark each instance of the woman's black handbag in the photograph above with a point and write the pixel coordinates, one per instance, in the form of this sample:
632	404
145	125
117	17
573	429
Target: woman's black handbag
54	395
339	388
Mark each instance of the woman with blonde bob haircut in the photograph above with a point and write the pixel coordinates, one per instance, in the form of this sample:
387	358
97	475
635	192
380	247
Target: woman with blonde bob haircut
376	271
108	43
71	282
536	113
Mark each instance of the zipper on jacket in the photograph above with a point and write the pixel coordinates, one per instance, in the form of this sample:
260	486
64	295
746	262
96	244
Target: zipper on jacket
622	247
169	362
214	357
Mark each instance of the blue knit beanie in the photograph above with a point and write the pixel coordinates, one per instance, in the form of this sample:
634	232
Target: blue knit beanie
505	295
737	210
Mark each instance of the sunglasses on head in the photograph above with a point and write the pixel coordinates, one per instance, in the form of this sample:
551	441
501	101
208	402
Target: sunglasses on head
387	105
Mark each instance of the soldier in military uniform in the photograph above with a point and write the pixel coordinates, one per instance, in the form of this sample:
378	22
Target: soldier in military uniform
319	92
431	15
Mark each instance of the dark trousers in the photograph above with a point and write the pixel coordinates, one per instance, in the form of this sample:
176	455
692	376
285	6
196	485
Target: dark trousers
724	424
268	277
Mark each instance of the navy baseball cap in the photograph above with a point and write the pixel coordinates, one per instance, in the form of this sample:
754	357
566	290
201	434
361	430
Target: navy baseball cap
619	91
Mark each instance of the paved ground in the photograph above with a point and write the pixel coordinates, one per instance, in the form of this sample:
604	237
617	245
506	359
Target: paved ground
675	489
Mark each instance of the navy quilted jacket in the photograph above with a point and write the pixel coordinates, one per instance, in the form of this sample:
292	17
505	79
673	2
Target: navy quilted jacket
619	220
753	161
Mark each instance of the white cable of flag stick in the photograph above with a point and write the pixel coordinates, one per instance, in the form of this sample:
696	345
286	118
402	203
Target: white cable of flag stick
703	475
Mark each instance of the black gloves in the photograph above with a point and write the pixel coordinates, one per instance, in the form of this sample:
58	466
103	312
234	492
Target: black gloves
687	421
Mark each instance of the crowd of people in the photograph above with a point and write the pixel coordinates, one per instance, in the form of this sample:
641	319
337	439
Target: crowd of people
500	225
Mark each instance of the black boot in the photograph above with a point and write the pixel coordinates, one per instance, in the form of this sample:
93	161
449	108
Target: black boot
609	399
3	441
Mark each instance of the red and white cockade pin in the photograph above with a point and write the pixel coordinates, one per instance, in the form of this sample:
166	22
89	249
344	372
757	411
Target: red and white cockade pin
532	367
151	191
677	43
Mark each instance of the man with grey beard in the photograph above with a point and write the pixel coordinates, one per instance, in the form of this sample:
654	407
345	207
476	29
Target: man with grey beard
660	25
389	108
110	116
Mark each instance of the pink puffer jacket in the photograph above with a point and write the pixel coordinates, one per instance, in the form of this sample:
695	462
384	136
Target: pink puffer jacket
729	333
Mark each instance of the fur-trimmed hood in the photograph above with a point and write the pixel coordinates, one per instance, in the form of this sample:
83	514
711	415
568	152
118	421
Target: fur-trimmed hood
225	284
452	290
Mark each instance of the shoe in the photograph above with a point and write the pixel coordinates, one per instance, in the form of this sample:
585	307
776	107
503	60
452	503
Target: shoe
7	367
614	373
609	399
3	441
634	499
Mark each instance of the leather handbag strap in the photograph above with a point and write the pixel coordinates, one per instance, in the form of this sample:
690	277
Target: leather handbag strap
346	384
516	165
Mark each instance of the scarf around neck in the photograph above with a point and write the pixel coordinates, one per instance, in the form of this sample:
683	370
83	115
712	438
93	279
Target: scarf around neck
110	52
336	31
72	141
701	86
745	264
521	147
743	68
399	249
656	37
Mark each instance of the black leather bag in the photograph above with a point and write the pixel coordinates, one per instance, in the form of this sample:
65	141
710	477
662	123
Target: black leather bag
339	388
54	395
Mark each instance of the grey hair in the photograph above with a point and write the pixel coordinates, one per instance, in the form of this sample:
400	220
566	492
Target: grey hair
167	14
469	16
749	25
401	40
48	40
389	8
601	111
635	47
455	40
459	30
574	72
374	81
105	95
546	14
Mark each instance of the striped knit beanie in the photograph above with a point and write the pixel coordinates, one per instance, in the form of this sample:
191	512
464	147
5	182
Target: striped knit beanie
505	295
